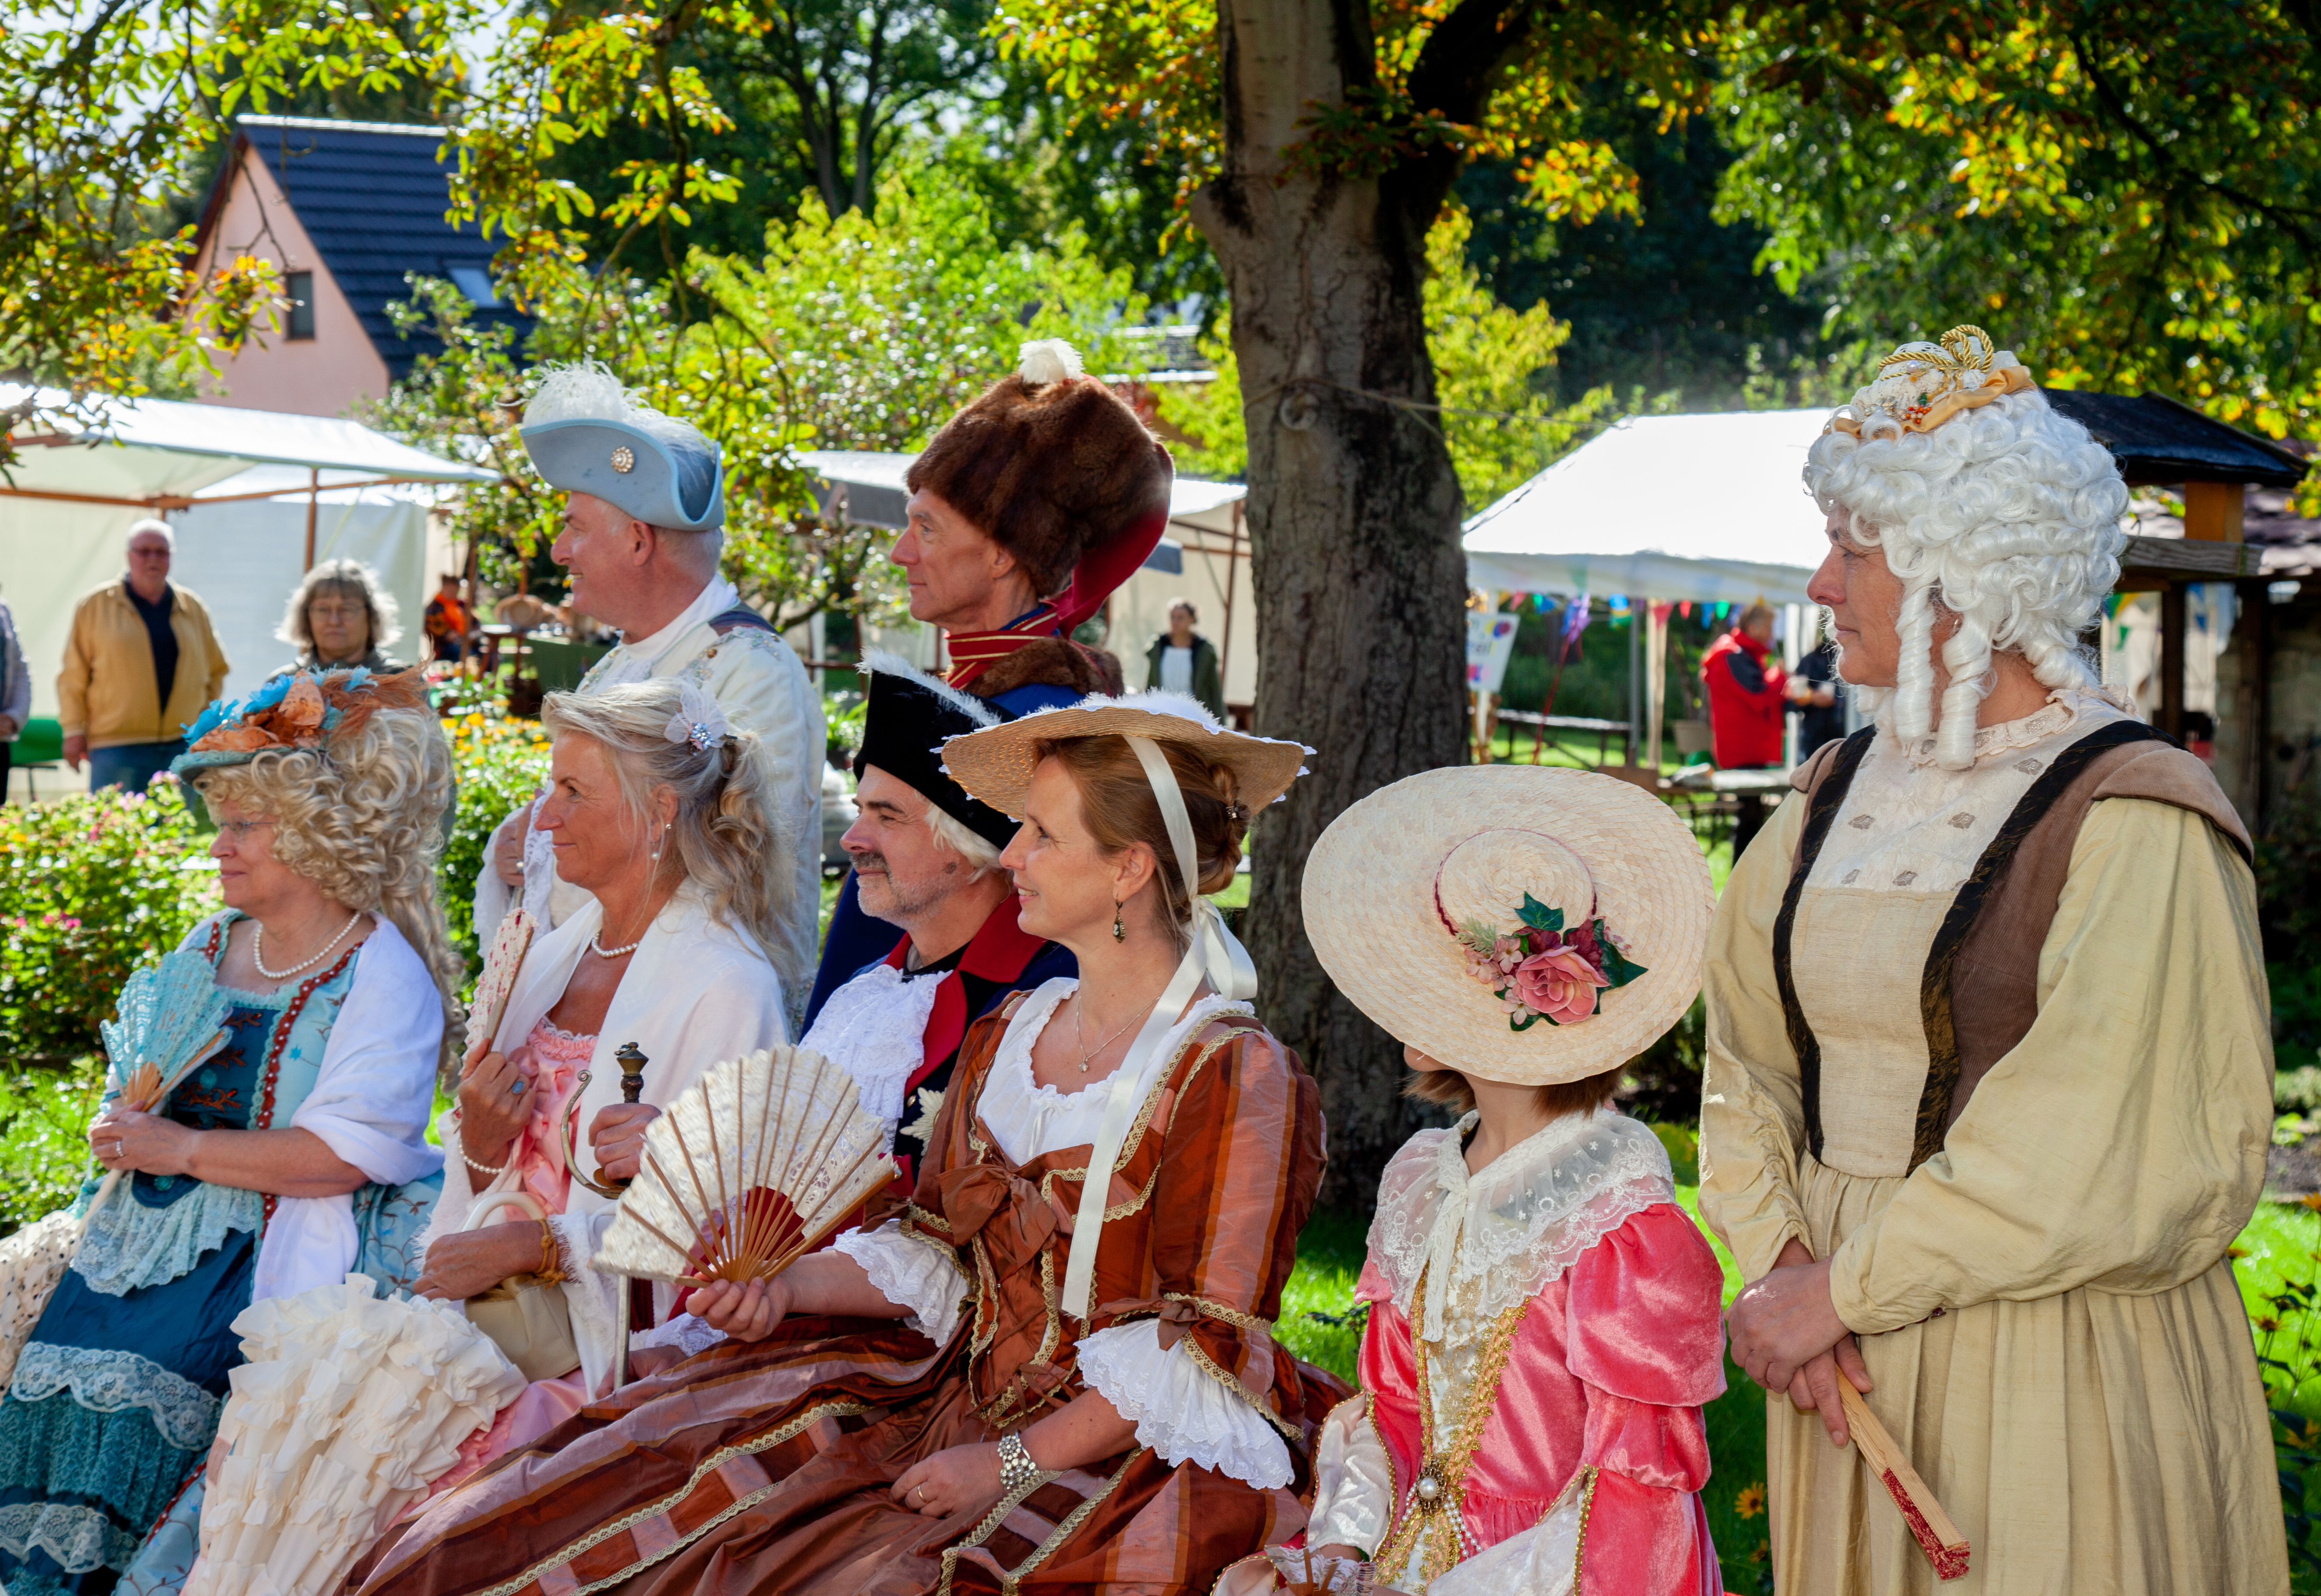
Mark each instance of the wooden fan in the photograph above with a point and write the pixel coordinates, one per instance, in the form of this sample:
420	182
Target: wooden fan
748	1171
510	943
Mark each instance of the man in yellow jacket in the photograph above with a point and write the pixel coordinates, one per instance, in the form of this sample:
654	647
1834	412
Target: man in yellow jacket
140	664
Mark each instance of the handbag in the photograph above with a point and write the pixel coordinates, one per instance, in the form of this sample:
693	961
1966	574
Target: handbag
525	1315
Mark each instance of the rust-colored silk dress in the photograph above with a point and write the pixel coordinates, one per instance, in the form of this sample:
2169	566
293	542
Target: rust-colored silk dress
764	1467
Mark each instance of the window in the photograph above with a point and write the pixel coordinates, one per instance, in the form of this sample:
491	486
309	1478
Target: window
476	284
299	286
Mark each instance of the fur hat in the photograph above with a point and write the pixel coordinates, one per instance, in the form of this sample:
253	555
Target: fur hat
1048	463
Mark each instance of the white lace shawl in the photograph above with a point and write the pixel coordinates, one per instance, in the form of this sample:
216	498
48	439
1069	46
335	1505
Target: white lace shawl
1516	1226
875	1028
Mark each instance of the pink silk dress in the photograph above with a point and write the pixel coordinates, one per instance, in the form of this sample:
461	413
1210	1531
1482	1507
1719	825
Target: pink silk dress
558	1057
1543	1335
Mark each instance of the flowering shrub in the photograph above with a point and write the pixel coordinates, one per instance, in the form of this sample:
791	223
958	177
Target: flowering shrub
92	887
501	762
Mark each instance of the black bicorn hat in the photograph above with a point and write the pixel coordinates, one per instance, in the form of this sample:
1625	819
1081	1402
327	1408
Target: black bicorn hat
906	717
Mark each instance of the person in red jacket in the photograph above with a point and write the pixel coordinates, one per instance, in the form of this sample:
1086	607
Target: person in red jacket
1748	708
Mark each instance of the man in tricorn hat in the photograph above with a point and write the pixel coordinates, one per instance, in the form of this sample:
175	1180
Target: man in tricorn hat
1026	511
926	856
643	529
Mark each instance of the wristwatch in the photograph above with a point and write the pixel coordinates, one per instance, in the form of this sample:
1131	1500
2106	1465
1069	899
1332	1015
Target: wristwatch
1017	1472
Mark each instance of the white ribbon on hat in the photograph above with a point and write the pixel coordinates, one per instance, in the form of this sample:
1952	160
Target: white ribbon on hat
698	720
1216	955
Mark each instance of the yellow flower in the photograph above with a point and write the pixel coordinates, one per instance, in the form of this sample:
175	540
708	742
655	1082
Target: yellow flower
1751	1500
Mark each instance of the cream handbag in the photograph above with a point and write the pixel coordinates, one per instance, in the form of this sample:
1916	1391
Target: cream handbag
525	1315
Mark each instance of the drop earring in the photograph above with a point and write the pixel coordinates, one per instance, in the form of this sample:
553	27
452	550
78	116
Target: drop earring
1119	932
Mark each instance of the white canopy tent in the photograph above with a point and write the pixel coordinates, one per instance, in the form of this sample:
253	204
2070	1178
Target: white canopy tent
336	488
1709	508
1202	559
1706	508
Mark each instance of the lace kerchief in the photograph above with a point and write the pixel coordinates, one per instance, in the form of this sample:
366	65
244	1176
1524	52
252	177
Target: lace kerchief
1508	1233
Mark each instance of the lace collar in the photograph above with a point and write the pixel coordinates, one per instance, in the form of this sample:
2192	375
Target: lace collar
2063	709
1512	1229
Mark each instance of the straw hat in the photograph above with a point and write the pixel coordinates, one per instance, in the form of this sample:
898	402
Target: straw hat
995	764
1487	852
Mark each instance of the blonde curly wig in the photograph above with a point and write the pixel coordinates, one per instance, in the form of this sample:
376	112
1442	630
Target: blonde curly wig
2007	517
364	822
733	843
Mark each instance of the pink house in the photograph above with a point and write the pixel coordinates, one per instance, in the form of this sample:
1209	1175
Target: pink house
347	211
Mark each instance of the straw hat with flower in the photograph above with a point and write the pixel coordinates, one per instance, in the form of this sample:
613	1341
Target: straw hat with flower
1522	923
997	763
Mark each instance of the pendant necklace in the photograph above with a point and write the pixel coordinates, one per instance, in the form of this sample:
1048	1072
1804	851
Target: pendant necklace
257	950
1079	1031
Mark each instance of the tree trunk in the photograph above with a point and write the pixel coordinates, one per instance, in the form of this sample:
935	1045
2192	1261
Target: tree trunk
1353	514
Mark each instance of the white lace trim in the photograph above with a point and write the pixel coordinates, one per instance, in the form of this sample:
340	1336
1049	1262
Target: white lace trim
105	1381
2064	707
129	1244
1177	1407
688	1334
914	1273
875	1028
1511	1230
80	1539
1027	1118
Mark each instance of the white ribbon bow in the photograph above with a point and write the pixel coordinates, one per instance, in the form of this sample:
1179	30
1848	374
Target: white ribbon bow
698	720
1215	953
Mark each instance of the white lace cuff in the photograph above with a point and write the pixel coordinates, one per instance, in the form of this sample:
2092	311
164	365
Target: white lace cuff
1353	1481
1179	1409
688	1334
911	1273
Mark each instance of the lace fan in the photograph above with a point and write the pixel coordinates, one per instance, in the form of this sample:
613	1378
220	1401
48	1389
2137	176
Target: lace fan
510	943
172	1017
749	1170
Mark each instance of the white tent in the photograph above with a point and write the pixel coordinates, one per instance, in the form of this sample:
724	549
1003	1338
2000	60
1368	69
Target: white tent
225	478
1709	508
1204	558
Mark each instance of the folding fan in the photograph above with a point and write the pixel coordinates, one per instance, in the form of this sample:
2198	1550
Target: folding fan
172	1017
748	1171
510	943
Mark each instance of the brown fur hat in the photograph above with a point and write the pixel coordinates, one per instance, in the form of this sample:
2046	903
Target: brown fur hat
1049	464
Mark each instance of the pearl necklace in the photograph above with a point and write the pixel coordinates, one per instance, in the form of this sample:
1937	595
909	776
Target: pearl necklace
257	950
601	951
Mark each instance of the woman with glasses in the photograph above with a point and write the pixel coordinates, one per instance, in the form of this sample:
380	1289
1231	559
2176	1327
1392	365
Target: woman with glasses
292	1150
341	615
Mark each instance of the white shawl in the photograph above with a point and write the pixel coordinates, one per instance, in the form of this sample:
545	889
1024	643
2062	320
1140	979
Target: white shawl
695	994
368	1106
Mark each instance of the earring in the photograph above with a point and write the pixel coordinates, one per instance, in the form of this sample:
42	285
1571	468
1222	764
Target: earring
655	854
1119	932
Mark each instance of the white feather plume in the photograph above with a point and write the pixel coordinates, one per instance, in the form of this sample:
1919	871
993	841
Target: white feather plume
587	390
878	662
1046	360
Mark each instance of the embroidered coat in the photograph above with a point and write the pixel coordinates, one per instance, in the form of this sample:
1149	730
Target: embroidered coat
764	1467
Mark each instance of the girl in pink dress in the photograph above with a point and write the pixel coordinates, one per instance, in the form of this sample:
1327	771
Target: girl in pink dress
1543	1321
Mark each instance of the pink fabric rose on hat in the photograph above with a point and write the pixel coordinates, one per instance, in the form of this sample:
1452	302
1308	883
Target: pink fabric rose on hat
1559	983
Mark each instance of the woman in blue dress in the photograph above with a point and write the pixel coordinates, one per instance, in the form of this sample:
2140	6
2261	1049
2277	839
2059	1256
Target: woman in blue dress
294	1153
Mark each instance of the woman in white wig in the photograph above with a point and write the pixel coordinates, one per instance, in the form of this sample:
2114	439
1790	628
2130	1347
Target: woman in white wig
661	811
1989	1080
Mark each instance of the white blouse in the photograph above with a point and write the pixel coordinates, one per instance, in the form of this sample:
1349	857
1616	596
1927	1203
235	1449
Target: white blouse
1179	1411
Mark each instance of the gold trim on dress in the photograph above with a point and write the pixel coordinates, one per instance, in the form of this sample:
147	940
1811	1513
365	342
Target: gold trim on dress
708	1465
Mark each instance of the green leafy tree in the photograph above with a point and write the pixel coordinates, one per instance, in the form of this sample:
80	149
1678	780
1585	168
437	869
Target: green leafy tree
2124	193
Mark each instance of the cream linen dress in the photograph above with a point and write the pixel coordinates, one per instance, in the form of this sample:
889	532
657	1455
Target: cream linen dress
2044	1305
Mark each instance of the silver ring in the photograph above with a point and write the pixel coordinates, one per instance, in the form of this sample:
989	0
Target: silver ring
517	1090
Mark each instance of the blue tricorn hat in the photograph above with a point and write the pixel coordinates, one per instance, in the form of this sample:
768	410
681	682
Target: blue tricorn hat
586	434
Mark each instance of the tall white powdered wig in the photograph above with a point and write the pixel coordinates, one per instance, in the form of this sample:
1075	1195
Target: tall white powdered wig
1989	504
